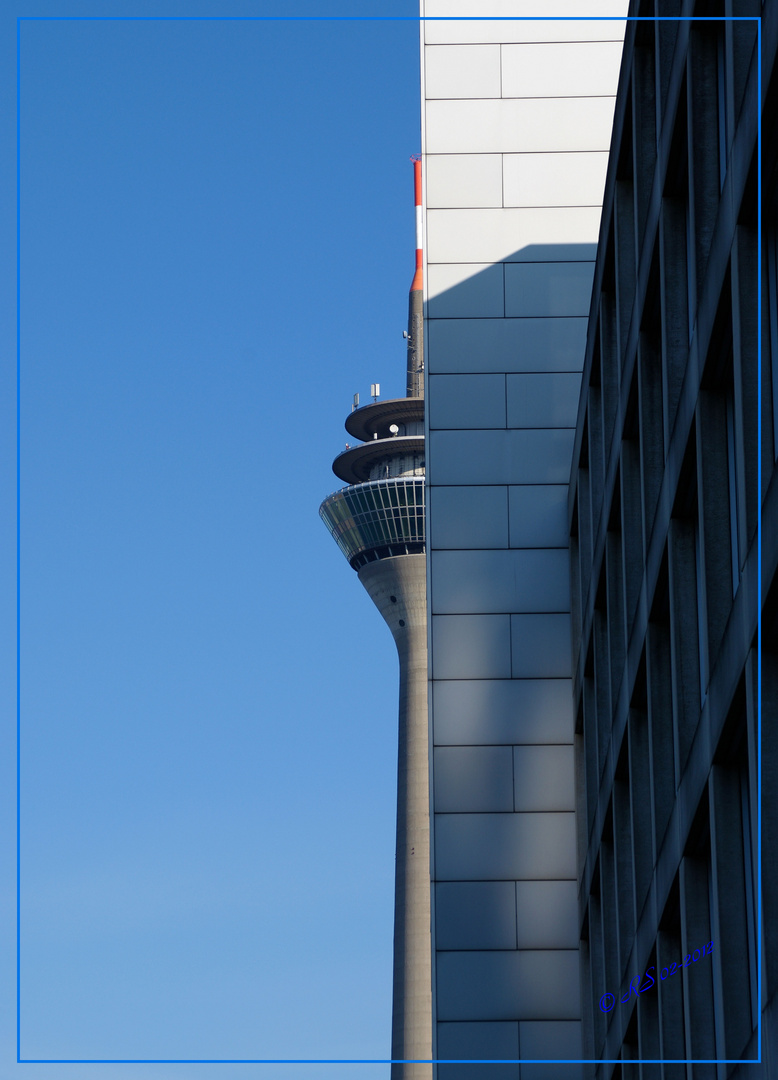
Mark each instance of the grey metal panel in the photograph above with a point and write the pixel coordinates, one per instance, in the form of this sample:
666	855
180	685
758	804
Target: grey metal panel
540	646
467	291
542	401
479	1040
552	1040
467	401
475	915
547	915
470	647
565	1071
508	985
469	517
543	778
469	779
504	846
462	71
534	344
538	515
532	456
550	288
464	180
503	711
524	579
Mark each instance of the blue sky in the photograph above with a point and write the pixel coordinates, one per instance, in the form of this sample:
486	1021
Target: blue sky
217	240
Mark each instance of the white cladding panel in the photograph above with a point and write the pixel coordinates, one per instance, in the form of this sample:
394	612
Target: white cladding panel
526	580
540	646
528	344
491	711
550	179
508	985
530	456
543	778
473	779
471	646
475	1041
516	127
475	915
537	515
455	180
512	289
465	291
513	235
546	915
559	69
603	22
470	517
466	401
542	401
462	71
507	847
548	1040
550	288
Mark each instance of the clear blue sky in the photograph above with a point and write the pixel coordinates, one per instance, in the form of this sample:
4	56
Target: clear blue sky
217	241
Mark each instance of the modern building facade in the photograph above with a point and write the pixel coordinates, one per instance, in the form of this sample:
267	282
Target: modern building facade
594	485
664	504
516	127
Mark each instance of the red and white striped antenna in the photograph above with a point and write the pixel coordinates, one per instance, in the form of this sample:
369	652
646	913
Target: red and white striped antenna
417	282
415	332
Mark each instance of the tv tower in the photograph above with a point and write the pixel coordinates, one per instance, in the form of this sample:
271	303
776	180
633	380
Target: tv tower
378	523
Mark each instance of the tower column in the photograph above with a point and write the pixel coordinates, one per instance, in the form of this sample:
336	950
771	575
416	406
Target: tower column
397	586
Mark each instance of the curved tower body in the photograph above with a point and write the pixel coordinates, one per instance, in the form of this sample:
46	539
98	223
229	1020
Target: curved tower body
378	523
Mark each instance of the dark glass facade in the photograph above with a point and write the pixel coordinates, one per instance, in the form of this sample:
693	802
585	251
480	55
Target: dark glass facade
669	483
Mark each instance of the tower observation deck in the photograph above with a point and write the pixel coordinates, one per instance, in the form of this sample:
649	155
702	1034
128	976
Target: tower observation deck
378	523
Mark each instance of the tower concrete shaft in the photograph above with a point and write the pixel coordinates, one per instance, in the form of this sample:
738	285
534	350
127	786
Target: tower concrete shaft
378	523
398	588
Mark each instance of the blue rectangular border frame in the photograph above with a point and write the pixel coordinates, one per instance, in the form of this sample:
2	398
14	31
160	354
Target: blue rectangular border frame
378	18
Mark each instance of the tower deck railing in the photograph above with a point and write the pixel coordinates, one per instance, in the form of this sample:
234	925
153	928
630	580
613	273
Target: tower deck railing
379	515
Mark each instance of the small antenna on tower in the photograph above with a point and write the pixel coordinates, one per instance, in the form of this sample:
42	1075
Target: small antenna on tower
375	390
355	404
